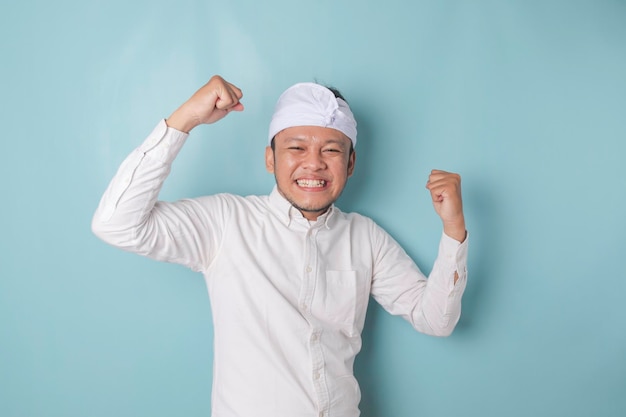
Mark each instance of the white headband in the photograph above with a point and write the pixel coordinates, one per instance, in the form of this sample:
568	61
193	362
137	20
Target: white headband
310	104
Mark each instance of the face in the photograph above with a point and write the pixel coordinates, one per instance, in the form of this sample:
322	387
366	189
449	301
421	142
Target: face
312	165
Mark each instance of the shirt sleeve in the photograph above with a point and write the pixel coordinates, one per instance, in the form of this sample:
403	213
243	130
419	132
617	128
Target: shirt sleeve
431	304
130	216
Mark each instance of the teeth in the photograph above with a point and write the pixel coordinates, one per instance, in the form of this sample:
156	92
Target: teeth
311	183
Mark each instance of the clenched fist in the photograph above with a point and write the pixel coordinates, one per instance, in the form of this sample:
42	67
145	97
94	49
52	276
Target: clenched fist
445	191
212	102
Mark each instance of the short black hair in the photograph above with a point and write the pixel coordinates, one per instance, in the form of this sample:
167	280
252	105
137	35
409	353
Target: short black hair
336	93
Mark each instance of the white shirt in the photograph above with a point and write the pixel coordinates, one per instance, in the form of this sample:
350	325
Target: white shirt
288	296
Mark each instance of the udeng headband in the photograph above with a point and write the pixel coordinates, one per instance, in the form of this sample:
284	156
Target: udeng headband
310	104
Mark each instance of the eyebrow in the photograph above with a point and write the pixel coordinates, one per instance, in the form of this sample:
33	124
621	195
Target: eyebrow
331	141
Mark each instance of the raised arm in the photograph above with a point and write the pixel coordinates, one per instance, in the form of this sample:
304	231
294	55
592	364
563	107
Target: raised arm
129	215
432	305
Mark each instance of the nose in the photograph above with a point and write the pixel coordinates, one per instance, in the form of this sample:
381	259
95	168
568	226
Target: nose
314	160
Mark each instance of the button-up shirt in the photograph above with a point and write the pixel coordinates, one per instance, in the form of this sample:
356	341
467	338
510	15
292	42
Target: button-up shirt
288	296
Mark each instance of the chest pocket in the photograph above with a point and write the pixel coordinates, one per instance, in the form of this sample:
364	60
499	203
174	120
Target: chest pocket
335	300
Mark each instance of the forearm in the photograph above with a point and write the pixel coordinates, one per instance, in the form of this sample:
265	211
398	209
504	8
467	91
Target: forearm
446	284
431	304
133	192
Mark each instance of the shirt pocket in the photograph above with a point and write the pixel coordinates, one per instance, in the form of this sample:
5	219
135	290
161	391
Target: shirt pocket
335	300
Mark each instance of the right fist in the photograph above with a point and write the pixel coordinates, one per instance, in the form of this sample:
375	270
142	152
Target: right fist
212	102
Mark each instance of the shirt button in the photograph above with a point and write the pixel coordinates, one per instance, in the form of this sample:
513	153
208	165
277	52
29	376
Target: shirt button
316	375
314	337
308	269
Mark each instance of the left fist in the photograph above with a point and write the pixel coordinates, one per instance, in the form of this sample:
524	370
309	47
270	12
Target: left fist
445	191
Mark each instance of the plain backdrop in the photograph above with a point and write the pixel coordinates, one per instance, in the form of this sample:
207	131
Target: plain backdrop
526	99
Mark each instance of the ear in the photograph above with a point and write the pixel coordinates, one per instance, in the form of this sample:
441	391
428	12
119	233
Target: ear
351	162
269	159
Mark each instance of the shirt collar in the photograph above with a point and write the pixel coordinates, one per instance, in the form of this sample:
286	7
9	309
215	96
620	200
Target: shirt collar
287	212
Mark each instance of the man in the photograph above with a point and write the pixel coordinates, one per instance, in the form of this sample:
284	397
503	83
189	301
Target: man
289	275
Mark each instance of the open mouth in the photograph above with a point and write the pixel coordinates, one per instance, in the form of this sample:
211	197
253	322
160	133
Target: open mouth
307	183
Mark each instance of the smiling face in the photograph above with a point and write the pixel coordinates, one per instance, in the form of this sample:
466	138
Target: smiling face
312	165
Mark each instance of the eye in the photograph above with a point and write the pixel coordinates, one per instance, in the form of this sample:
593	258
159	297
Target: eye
332	150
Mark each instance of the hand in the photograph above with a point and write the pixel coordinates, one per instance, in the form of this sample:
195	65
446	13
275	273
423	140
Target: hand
445	191
212	102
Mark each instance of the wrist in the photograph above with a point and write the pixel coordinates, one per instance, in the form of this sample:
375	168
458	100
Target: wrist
456	230
182	121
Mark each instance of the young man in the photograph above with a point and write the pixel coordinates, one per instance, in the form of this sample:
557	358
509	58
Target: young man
289	275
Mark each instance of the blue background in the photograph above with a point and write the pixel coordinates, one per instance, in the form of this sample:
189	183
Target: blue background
526	99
